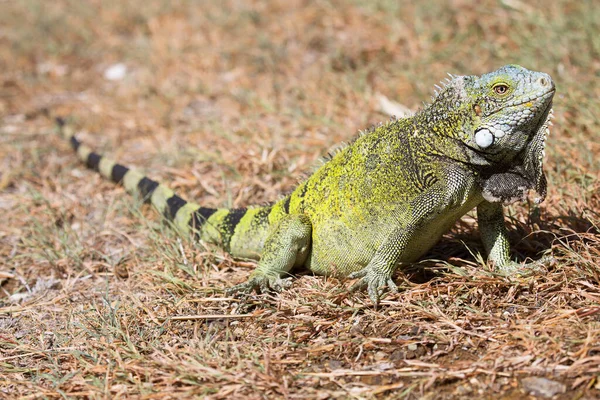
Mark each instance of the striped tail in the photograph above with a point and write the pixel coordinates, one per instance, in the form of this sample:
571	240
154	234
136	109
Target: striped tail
240	232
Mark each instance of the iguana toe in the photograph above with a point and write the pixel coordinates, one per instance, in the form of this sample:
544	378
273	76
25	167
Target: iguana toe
524	269
375	281
261	284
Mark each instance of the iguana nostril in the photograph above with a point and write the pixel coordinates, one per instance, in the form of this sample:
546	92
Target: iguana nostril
543	81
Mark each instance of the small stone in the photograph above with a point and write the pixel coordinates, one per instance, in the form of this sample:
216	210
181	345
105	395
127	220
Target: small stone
544	387
398	355
356	330
335	364
463	390
115	72
384	366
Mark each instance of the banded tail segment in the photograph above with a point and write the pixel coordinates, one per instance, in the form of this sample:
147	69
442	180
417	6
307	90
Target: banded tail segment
239	231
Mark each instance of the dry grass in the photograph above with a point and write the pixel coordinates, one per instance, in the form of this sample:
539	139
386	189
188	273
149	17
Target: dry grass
231	102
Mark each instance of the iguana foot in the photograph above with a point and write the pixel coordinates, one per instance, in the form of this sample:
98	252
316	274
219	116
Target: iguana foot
524	270
260	283
375	281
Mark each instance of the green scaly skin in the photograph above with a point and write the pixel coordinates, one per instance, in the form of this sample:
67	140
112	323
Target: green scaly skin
384	200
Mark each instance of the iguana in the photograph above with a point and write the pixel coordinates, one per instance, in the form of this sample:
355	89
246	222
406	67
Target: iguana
386	198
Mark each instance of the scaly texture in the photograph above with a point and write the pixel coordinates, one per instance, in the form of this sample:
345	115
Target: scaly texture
386	198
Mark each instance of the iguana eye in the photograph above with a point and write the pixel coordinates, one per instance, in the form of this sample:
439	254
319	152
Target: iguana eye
500	88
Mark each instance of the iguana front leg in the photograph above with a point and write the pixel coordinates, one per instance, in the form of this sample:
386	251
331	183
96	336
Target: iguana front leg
495	240
378	273
286	246
428	207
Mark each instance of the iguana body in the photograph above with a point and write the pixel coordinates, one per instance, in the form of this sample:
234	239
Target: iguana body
387	198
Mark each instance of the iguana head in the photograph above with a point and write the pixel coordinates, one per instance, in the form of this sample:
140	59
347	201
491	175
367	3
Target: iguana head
508	114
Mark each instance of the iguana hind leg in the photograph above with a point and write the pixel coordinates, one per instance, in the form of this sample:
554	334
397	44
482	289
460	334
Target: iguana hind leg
286	246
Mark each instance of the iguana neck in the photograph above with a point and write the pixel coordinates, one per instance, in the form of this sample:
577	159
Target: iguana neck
448	133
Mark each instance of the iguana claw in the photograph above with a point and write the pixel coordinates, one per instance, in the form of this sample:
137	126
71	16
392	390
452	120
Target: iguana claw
262	284
524	270
376	282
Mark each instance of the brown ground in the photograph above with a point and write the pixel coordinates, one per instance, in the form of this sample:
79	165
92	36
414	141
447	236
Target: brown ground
230	102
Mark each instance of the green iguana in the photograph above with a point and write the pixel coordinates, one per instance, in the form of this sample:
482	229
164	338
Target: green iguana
385	199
